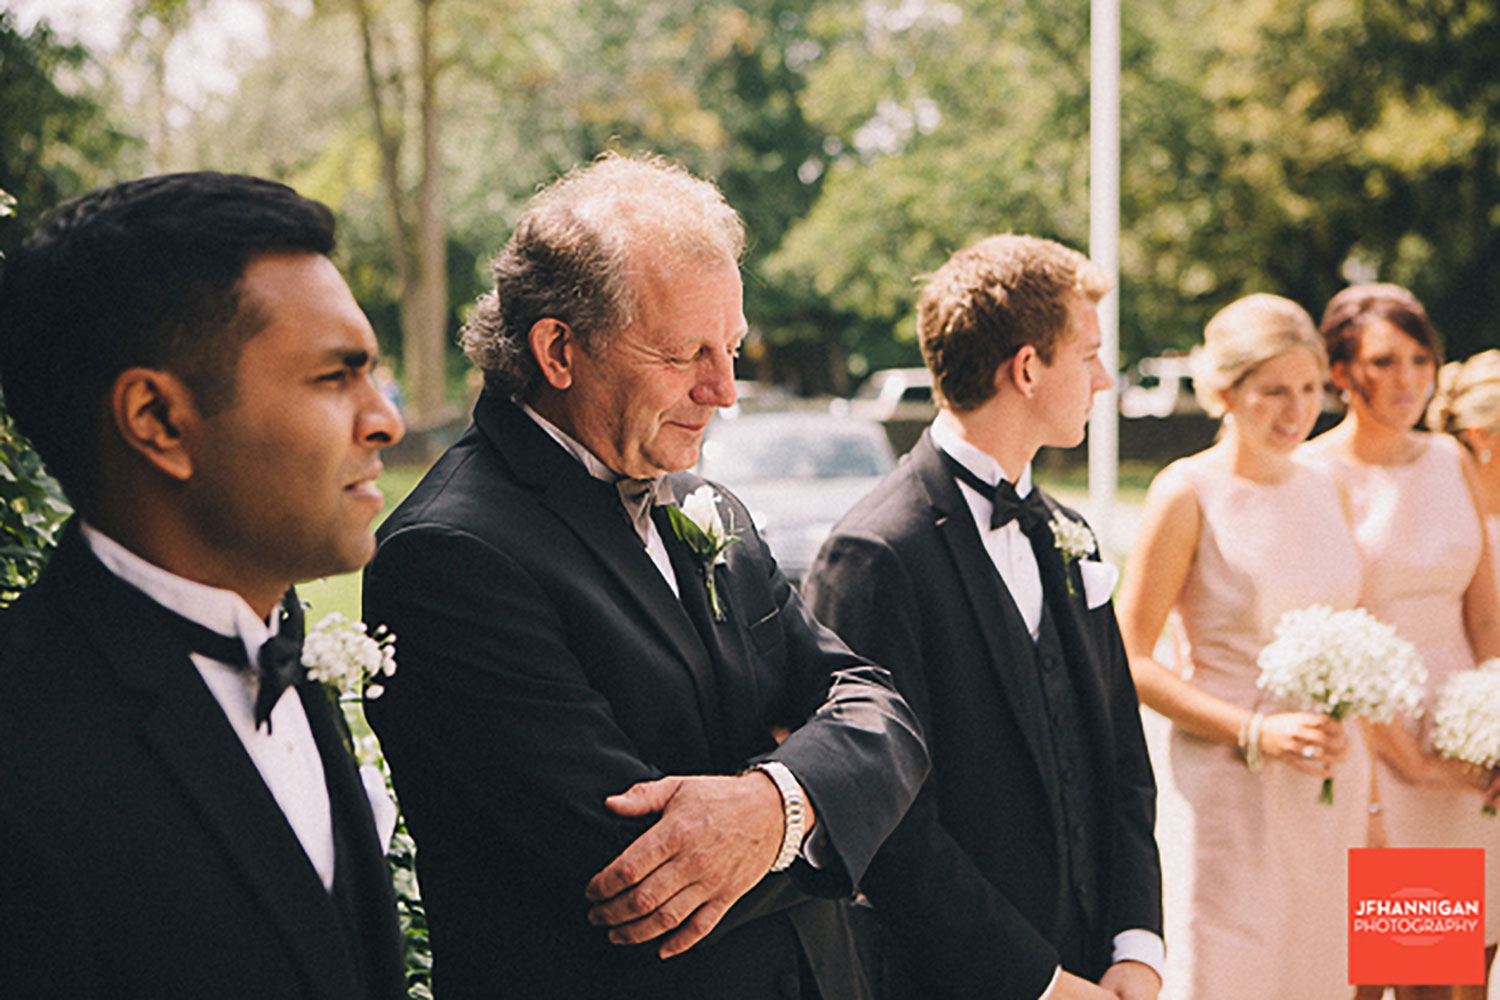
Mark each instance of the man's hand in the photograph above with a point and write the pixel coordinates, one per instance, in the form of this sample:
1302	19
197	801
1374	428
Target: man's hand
1132	981
1071	987
716	838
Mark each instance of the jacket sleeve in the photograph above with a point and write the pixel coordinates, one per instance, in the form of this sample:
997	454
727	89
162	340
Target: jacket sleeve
490	722
1135	871
927	889
855	745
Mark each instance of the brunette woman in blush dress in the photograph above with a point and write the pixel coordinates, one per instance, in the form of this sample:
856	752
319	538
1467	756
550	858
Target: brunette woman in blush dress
1232	538
1418	523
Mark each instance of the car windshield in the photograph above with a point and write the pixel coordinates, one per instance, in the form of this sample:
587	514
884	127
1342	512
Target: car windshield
740	452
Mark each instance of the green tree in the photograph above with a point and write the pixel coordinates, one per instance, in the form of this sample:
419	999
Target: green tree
56	139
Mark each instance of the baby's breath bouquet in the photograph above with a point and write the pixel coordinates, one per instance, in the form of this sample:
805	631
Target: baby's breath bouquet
341	656
1466	718
1342	664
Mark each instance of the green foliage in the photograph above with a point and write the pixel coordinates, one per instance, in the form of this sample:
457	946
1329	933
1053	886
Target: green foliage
32	510
56	140
1273	145
402	857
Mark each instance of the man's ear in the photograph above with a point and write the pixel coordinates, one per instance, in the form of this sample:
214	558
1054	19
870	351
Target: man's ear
1019	370
553	346
150	409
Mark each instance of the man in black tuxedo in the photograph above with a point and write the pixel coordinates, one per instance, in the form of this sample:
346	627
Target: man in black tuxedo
584	730
189	364
1027	867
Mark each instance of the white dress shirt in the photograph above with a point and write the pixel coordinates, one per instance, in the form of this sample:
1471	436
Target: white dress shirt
1010	550
287	757
655	547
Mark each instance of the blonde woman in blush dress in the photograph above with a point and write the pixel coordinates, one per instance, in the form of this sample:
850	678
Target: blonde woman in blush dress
1467	405
1232	538
1418	524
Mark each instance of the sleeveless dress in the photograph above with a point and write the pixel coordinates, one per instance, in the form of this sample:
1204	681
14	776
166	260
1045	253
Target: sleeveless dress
1269	890
1419	534
1493	520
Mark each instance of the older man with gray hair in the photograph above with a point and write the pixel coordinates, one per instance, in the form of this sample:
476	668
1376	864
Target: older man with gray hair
595	673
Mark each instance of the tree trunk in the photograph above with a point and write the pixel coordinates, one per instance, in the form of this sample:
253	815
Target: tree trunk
425	311
421	262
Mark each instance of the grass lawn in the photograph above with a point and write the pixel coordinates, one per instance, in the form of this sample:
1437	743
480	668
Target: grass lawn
341	593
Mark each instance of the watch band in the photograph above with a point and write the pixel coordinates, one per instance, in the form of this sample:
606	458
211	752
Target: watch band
793	812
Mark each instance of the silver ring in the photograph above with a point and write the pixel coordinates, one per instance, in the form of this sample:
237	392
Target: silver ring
1308	753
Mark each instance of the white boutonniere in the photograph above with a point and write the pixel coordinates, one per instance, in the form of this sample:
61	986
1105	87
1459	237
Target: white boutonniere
1074	540
698	524
341	656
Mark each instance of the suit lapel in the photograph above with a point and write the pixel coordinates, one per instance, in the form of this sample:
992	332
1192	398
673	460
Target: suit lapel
693	591
1000	624
360	856
1079	650
567	489
187	732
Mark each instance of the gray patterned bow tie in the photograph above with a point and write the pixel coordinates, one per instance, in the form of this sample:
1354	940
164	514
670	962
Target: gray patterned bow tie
638	497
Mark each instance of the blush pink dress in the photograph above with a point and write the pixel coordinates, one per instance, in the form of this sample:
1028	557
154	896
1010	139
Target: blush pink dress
1419	533
1269	890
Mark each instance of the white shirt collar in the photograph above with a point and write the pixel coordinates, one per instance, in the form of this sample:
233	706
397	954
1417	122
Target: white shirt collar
946	435
590	461
224	611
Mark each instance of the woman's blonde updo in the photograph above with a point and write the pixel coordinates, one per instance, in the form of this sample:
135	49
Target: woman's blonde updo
1467	396
1244	335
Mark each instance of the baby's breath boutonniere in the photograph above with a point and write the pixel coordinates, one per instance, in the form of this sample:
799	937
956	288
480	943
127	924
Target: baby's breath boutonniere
1074	540
341	656
698	524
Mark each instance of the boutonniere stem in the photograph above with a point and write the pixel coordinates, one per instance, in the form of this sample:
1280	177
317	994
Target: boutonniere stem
698	525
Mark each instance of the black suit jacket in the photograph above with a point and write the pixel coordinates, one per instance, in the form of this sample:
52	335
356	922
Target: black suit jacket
545	665
971	884
152	859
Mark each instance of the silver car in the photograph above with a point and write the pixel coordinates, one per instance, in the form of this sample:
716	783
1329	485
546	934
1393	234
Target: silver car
798	472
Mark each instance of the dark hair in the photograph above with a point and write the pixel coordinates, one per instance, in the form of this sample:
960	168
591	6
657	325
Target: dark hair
143	273
989	301
1356	307
570	256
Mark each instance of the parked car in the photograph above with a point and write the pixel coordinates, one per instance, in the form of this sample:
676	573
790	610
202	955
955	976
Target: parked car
900	398
797	472
893	394
1160	387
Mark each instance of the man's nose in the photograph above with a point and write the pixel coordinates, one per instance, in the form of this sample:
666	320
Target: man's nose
716	382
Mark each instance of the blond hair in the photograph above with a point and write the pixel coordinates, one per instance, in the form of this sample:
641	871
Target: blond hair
1467	396
1245	335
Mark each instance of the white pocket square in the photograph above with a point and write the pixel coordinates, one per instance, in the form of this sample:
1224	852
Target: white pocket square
1099	579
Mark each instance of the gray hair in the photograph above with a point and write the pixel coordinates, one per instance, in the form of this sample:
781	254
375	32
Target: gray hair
571	254
1245	335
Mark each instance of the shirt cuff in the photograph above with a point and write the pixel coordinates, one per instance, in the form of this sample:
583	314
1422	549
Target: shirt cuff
1047	993
1138	945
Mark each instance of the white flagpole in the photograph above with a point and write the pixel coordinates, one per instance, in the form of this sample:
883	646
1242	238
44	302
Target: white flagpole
1104	247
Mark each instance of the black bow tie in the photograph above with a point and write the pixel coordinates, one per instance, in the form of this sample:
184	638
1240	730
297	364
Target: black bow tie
278	663
1031	512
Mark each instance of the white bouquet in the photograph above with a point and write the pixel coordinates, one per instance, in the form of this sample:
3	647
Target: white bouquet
1342	664
341	656
1466	718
